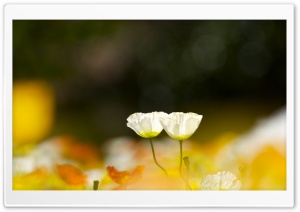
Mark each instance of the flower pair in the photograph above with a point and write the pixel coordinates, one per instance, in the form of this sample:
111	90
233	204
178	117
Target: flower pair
178	125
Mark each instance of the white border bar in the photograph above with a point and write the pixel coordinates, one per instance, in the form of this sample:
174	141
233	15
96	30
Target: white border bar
148	11
149	198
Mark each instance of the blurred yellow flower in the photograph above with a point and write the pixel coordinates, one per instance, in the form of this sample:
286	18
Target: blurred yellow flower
31	181
221	181
180	126
268	170
146	125
33	111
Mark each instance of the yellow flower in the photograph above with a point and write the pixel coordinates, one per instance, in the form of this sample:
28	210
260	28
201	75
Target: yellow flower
146	125
180	126
33	111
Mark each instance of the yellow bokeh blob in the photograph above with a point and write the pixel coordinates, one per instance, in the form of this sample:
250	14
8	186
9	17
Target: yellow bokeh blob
33	111
268	170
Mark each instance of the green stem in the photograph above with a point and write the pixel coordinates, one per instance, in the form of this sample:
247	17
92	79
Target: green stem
153	153
187	186
180	145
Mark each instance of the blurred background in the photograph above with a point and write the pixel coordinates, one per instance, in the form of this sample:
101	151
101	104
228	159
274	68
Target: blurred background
97	73
80	80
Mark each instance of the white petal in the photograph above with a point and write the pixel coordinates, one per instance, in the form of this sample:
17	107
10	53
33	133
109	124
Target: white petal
192	123
155	121
210	182
145	124
221	181
236	185
134	117
170	126
227	180
135	127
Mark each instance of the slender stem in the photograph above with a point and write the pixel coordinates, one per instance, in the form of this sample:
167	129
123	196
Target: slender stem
180	145
153	153
180	165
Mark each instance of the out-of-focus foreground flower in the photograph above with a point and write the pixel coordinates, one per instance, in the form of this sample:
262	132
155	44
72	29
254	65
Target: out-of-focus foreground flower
71	174
33	112
261	152
55	165
125	178
220	181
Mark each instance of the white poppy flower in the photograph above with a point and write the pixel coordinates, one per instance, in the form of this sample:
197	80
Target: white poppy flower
147	125
181	126
221	181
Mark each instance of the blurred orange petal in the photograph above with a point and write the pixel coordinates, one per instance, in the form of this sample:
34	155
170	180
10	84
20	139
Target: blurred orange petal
125	177
86	154
70	174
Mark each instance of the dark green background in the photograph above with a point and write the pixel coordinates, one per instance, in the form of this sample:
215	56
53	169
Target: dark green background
232	72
